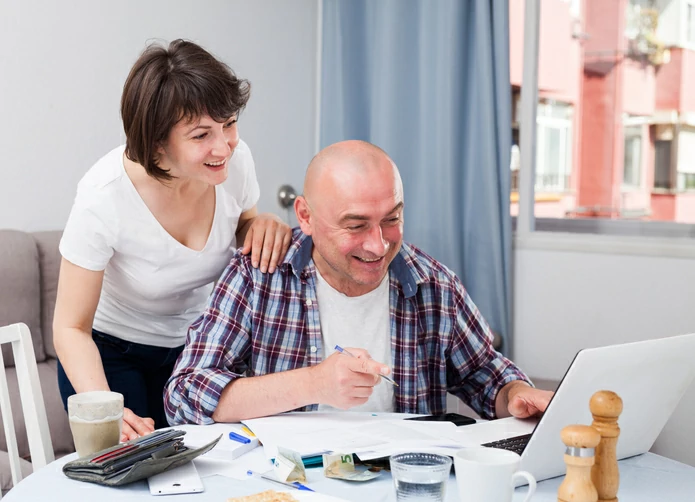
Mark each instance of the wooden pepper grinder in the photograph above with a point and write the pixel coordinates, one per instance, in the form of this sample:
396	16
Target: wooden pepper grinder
579	457
606	406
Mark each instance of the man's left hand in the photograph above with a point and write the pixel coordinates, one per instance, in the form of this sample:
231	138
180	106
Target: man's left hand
524	401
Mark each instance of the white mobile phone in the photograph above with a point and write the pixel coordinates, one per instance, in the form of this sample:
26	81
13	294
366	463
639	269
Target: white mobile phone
183	479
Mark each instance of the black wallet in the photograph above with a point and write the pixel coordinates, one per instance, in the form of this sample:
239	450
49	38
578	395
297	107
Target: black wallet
137	459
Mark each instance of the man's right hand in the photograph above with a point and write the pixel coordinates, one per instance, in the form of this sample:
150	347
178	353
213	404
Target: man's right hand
345	382
134	426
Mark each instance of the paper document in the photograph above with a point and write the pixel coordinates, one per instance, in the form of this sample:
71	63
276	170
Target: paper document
366	434
226	449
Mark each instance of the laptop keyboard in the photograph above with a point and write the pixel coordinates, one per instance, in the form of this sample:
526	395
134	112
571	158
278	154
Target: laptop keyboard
515	444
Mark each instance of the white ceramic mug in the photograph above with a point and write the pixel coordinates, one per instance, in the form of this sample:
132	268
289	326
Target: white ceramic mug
489	474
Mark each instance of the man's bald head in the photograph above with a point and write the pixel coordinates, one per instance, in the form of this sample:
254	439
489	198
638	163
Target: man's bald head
352	208
342	164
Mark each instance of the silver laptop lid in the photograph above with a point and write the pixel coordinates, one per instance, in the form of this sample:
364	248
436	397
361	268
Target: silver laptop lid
650	377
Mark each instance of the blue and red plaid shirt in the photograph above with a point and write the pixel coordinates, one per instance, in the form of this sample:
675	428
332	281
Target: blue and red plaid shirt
258	323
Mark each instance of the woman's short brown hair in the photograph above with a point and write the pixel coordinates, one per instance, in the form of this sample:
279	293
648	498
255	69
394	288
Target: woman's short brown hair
168	84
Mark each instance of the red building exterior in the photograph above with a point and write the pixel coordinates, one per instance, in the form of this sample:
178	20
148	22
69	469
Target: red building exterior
616	112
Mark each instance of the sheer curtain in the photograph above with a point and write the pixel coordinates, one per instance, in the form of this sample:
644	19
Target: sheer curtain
428	81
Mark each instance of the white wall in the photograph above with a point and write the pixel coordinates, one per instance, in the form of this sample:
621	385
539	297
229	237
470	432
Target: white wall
62	68
567	298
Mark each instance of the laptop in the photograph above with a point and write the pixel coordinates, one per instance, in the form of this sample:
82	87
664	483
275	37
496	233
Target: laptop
650	377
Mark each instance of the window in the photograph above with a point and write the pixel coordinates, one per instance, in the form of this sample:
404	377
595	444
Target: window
632	163
514	166
615	122
686	160
690	23
662	164
553	147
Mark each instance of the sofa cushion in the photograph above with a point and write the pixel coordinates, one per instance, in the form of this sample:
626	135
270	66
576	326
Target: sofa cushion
6	473
57	416
58	423
49	265
20	294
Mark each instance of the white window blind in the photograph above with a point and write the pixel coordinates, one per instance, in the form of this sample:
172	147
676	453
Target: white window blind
686	152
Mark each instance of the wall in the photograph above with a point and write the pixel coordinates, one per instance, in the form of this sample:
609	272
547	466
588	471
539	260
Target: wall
560	53
559	65
63	65
671	22
639	87
669	81
516	41
674	81
567	297
685	207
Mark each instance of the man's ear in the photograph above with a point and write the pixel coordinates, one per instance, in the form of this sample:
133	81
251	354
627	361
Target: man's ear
303	212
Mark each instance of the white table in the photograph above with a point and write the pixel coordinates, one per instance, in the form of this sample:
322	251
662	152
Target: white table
644	478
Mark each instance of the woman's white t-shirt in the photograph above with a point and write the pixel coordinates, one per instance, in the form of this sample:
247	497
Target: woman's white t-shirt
154	286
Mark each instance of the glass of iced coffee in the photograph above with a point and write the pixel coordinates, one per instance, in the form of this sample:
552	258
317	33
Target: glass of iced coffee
96	419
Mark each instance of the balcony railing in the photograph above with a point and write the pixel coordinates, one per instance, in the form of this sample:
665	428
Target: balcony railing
553	182
545	182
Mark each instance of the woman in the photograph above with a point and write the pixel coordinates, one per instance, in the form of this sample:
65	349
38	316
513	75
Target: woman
152	228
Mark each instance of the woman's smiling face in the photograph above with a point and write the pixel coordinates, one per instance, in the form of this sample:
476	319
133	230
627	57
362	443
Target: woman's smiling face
200	149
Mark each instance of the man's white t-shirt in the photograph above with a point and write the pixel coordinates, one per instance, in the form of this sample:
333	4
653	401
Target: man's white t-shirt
358	321
154	286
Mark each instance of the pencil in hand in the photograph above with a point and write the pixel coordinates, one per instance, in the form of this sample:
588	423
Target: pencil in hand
348	353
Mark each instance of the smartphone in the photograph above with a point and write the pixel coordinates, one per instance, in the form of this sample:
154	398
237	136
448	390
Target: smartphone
183	479
446	417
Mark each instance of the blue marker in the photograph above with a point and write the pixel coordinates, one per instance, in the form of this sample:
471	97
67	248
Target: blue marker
239	438
296	484
348	353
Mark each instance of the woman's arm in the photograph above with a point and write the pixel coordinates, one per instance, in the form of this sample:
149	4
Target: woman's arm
78	296
265	236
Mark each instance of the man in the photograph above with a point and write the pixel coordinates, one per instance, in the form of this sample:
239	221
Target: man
265	343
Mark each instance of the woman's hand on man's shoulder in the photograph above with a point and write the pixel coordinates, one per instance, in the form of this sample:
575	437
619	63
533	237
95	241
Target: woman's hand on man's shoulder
267	239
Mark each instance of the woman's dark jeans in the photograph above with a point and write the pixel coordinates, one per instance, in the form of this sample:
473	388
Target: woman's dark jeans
137	371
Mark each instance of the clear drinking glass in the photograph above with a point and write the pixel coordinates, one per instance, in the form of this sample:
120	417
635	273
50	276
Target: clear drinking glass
420	476
96	420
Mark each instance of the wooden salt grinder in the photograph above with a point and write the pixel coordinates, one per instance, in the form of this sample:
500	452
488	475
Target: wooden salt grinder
605	407
579	457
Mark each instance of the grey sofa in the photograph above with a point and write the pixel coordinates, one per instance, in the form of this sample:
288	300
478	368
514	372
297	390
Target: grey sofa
29	264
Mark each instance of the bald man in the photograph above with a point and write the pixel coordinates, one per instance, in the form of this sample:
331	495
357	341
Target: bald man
266	342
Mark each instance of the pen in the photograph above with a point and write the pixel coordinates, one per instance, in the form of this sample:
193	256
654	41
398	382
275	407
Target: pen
343	351
248	431
296	484
238	437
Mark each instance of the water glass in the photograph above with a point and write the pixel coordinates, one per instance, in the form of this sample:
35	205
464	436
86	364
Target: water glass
96	420
420	476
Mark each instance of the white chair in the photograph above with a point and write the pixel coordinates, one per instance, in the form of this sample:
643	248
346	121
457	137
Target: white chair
38	435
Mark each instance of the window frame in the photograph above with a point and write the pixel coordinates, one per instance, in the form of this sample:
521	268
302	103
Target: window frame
653	238
689	25
633	132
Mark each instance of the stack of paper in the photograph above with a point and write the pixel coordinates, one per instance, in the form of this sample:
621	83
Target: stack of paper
369	435
226	449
